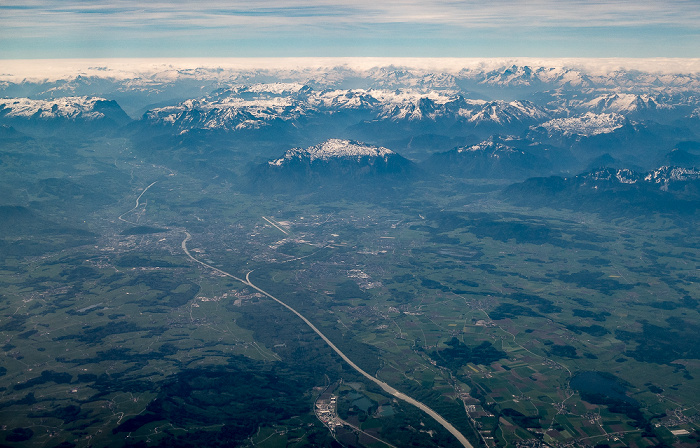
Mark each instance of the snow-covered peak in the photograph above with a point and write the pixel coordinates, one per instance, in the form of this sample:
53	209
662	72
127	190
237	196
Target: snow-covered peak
527	76
502	112
513	75
391	77
411	105
226	112
611	175
67	107
669	173
261	90
621	103
277	88
588	124
663	176
342	99
334	148
491	146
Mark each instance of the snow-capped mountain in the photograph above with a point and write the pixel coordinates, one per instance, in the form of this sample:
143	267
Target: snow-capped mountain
586	108
587	124
526	76
508	113
499	157
599	176
614	191
75	109
577	77
667	174
264	89
622	103
661	178
635	106
253	108
225	114
258	106
393	78
338	99
410	105
335	149
334	161
149	82
493	146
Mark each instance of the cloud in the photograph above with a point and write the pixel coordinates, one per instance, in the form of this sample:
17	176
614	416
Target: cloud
374	22
459	14
227	68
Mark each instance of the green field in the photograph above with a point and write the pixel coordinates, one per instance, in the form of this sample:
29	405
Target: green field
111	336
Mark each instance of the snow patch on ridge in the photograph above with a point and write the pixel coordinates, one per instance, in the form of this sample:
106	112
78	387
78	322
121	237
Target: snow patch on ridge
66	107
587	125
333	148
668	173
494	148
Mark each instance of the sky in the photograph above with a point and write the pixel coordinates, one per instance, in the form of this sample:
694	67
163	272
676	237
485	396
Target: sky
40	29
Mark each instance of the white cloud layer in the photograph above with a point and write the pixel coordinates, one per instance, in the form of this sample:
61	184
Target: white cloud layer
40	28
51	70
34	15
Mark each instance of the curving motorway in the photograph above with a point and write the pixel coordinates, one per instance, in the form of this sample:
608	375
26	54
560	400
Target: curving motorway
137	204
387	388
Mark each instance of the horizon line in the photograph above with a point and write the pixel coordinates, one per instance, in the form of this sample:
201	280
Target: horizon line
127	67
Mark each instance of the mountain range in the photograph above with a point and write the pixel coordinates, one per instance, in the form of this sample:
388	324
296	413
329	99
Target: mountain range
334	161
410	216
481	122
30	113
614	192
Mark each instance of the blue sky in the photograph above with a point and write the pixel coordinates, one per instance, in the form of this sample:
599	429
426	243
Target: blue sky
414	28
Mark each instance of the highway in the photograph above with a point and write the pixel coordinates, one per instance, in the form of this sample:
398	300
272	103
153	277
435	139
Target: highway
137	204
387	388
